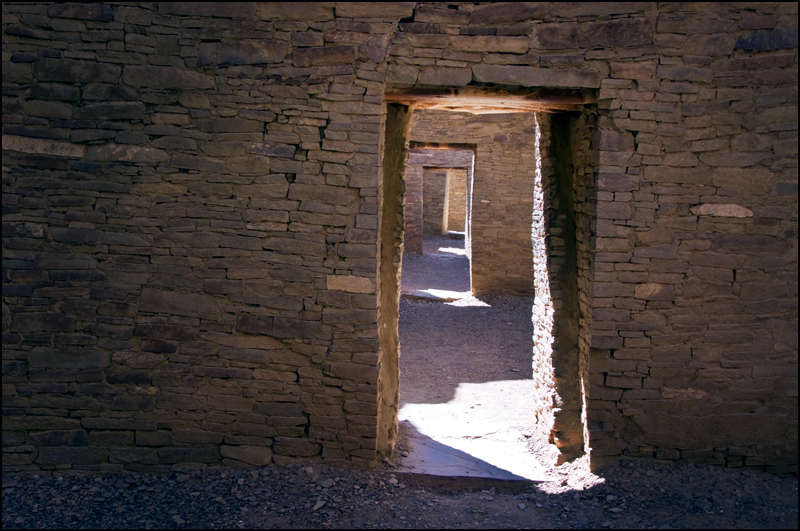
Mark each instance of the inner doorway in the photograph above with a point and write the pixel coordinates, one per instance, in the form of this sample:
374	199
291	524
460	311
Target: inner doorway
466	402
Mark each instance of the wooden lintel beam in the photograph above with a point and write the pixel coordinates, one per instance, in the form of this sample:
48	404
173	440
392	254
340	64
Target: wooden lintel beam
483	101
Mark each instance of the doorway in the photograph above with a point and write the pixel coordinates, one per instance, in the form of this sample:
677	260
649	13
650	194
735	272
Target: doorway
498	209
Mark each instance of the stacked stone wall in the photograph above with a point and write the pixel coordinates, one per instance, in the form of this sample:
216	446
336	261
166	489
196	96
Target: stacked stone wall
192	195
434	190
457	199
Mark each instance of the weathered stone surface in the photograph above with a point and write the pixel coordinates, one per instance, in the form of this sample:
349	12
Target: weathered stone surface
402	74
507	12
708	431
138	360
633	70
70	358
243	53
60	438
75	71
653	291
187	304
32	322
762	41
585	9
368	10
80	455
42	146
445	76
99	12
721	210
273	149
331	55
296	447
165	77
125	153
620	32
128	110
54	91
350	284
489	43
304	11
529	76
252	455
232	9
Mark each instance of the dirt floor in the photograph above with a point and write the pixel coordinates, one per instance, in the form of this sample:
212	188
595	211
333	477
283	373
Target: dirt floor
469	346
465	370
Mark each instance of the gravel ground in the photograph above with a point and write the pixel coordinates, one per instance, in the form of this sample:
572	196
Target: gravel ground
311	495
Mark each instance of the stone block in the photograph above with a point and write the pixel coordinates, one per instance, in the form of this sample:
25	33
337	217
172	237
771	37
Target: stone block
613	182
355	371
529	76
59	438
723	210
42	146
700	432
668	174
624	382
621	32
273	149
187	455
77	455
186	304
370	10
742	159
350	284
98	12
654	291
324	56
138	360
250	52
244	342
41	322
252	455
112	110
507	12
230	125
296	447
164	77
614	140
490	43
762	41
445	76
232	9
296	328
75	71
279	409
125	153
614	210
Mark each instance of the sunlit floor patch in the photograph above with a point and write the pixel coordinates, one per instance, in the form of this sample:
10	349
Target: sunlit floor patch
479	433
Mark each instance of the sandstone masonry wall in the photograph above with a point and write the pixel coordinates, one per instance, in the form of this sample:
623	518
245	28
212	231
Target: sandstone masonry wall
457	199
192	197
434	189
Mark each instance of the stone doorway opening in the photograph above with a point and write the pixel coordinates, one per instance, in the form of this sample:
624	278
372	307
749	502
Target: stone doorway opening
544	402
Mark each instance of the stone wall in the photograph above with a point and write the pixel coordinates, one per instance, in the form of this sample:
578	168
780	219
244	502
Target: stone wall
434	191
457	179
201	239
